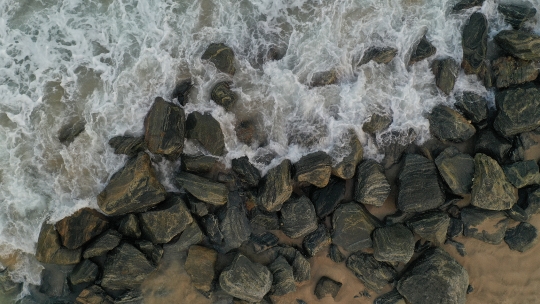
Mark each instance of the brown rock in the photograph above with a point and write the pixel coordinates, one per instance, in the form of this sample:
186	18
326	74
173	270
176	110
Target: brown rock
510	71
164	127
49	249
200	264
80	227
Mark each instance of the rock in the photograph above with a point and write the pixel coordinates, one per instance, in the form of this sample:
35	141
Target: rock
519	44
221	56
200	264
320	79
381	55
298	217
393	244
431	226
491	189
328	198
223	96
353	152
54	282
473	106
317	240
151	251
422	50
247	173
50	250
445	71
196	206
235	225
448	125
509	71
301	267
373	274
263	220
276	187
522	237
455	228
133	188
532	205
283	279
67	133
518	110
103	244
448	281
264	241
392	297
245	131
474	44
129	226
516	15
326	286
169	219
314	168
372	187
7	286
456	169
485	225
125	268
419	188
203	189
352	225
128	145
192	235
206	130
164	127
84	272
80	227
210	225
181	91
377	123
524	173
93	295
466	4
246	280
493	145
198	164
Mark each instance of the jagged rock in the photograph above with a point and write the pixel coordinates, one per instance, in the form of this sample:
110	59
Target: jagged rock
381	55
93	295
263	220
372	187
264	241
353	151
519	44
455	228
431	226
374	274
151	251
326	286
164	127
181	91
301	267
67	133
518	110
210	225
162	224
129	226
522	237
192	235
448	125
493	145
352	225
298	217
198	164
223	96
422	50
103	244
324	78
474	44
221	56
317	240
235	225
246	280
314	168
133	188
445	71
456	169
473	106
466	4
509	71
491	189
84	272
435	277
328	198
206	130
486	225
283	278
419	188
80	227
125	268
246	171
50	250
392	297
127	145
203	189
516	14
276	187
200	264
524	173
377	123
393	244
335	254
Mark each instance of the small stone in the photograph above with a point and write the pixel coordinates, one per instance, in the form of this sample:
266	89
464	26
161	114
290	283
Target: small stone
50	250
474	44
129	226
381	55
235	225
377	123
448	125
67	133
456	169
326	286
393	244
164	127
353	153
127	145
431	226
317	240
509	71
221	56
314	168
392	297
485	225
151	251
320	79
198	164
200	265
372	187
84	272
246	280
422	50
223	96
206	130
203	189
466	4
246	171
80	227
276	187
516	14
491	189
181	91
445	71
125	268
352	226
473	106
335	254
283	278
263	220
301	267
262	242
93	295
493	145
522	174
522	237
298	217
103	244
373	274
522	45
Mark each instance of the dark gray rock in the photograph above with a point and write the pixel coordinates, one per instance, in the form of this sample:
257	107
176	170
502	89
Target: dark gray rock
196	206
522	45
207	191
474	44
264	241
381	55
198	164
377	123
393	244
456	169
67	133
50	250
246	280
235	225
324	78
431	226
221	56
532	205
524	173
392	297
352	225
419	187
54	282
518	110
84	272
103	244
522	237
133	188
353	152
317	240
455	228
164	127
473	106
374	274
335	254
211	228
200	265
93	295
125	268
372	187
466	4
206	130
223	96
298	217
80	227
276	187
129	226
283	278
262	220
127	145
192	235
181	91
422	50
314	168
491	189
448	125
246	171
328	198
327	287
493	145
445	71
485	225
516	14
435	277
509	71
301	267
151	251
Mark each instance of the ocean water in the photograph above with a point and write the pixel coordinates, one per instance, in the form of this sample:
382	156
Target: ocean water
104	62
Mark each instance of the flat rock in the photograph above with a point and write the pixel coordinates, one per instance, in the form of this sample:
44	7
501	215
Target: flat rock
523	173
431	226
80	227
314	168
246	280
509	71
485	225
419	188
335	254
381	55
199	163
205	130
235	225
298	217
129	226
445	71
377	122
50	250
276	187
493	145
474	44
393	244
518	110
424	49
392	297
434	278
352	152
223	96
352	226
491	189
125	268
102	244
247	173
448	125
84	272
372	187
164	127
327	287
283	278
328	198
93	295
317	240
516	14
207	191
133	188
221	56
456	169
200	265
522	237
522	45
473	106
373	274
127	145
466	4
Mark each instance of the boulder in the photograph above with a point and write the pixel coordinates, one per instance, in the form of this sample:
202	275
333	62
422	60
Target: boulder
164	127
151	251
419	187
352	152
474	44
128	145
314	168
431	226
327	287
181	91
199	163
200	265
276	187
223	96
93	295
125	268
317	240
247	173
377	123
456	169
264	241
522	237
352	225
445	71
335	254
129	226
393	244
207	191
283	278
509	71
473	106
68	132
235	225
328	198
422	50
448	125
84	272
206	130
373	274
80	227
491	189
298	217
381	55
221	56
372	187
434	278
485	225
50	250
466	4
324	78
103	244
518	110
523	173
516	14
246	280
133	188
522	45
262	220
392	297
493	145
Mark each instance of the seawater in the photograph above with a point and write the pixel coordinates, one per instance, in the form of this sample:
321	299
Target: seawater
104	61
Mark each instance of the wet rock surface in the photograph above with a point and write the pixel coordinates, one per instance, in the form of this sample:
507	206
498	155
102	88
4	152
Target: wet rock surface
352	226
314	168
473	106
223	96
353	151
518	110
509	71
164	128
68	133
102	244
424	49
374	274
80	227
522	237
246	171
246	280
491	189
204	129
198	164
125	268
393	244
381	55
324	78
445	71
376	123
181	91
516	14
127	145
200	265
298	217
207	191
474	44
221	56
519	44
456	169
84	272
50	250
327	287
276	187
372	187
486	225
235	225
466	4
448	125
